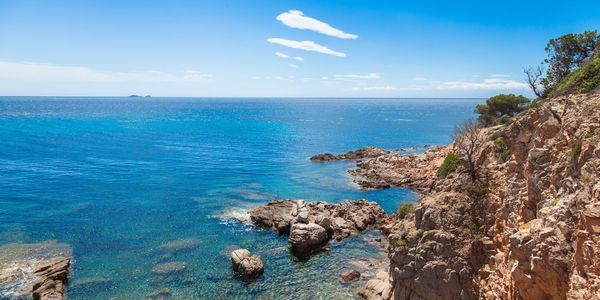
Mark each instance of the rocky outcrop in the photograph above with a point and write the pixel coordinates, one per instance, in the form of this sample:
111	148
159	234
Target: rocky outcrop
246	265
311	225
54	275
366	152
529	228
415	171
38	271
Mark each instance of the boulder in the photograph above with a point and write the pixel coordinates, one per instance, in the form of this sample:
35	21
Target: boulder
366	152
306	239
54	278
350	276
246	265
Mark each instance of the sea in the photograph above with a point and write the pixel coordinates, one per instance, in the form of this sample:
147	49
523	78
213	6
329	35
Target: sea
132	183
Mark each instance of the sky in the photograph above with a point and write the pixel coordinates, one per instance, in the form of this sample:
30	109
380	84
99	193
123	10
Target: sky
279	48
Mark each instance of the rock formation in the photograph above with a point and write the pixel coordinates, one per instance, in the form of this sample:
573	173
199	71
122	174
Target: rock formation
528	228
38	271
349	276
246	265
366	152
311	225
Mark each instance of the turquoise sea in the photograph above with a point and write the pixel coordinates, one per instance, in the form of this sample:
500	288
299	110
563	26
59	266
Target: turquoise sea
130	183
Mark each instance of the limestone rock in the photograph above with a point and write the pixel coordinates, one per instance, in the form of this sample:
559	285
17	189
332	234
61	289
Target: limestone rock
246	265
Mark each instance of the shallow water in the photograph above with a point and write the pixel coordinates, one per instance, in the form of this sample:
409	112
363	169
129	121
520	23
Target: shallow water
131	183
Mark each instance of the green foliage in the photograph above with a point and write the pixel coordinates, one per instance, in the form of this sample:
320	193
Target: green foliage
576	150
404	210
588	135
569	256
582	80
502	152
553	202
471	231
451	162
566	53
501	108
475	189
587	179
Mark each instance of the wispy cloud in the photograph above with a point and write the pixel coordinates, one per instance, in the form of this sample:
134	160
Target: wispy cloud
281	55
292	65
41	71
419	79
355	76
305	45
500	75
487	84
297	19
299	58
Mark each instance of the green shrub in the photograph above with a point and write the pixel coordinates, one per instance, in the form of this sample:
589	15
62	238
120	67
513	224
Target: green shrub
506	119
501	108
587	179
451	162
404	210
588	135
553	202
569	256
582	80
502	152
576	150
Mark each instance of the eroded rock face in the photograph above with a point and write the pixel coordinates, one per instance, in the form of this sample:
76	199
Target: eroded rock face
246	265
530	229
366	152
311	225
54	275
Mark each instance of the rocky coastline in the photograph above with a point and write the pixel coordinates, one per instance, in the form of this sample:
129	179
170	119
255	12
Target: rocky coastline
527	229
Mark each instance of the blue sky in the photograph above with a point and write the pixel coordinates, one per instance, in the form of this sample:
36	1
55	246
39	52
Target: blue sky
229	48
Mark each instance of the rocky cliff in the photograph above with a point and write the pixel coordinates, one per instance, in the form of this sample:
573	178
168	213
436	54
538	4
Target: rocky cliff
529	228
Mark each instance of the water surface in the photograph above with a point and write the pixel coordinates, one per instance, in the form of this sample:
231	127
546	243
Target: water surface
132	183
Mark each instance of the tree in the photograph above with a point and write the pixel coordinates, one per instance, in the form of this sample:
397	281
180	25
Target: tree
500	105
468	143
566	53
534	78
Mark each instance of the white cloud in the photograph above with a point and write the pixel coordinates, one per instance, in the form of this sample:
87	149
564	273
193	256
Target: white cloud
355	76
292	65
324	77
299	58
419	78
500	75
305	45
281	55
296	19
487	84
31	71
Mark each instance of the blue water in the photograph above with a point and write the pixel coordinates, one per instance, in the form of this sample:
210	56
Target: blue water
116	178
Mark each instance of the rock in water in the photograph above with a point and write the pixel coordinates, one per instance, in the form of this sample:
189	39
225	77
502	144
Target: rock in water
248	266
366	152
349	276
164	294
54	278
306	239
169	267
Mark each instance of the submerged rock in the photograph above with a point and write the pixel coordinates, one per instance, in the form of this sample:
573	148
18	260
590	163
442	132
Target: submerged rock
366	152
246	265
179	245
163	294
169	267
349	276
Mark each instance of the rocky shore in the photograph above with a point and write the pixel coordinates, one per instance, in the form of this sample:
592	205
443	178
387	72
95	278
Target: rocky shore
528	228
38	271
311	225
366	152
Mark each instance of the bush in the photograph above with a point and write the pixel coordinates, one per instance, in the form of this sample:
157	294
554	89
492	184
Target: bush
501	106
588	135
582	80
576	150
451	162
475	190
404	210
502	152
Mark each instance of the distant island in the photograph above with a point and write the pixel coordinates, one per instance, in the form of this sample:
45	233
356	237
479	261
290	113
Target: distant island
138	96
